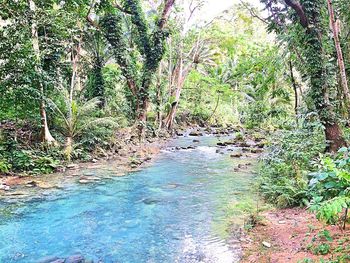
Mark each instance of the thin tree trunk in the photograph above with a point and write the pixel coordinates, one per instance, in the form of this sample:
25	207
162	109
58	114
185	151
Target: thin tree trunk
295	88
46	136
216	107
179	77
341	63
68	148
159	98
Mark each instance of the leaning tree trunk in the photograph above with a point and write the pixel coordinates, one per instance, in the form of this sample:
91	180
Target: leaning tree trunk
179	79
45	134
169	120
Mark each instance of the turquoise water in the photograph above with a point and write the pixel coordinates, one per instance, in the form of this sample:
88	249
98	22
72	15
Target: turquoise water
167	212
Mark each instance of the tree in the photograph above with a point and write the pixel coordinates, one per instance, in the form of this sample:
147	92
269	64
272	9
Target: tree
341	64
308	31
149	45
200	54
46	136
98	55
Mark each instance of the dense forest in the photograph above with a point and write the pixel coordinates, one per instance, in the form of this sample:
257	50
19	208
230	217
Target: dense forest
81	81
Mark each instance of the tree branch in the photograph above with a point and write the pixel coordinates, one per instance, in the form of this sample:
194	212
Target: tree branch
253	13
165	13
298	8
118	6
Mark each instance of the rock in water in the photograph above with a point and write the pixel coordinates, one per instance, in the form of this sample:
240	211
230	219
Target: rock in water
150	201
48	259
75	259
236	155
4	187
195	133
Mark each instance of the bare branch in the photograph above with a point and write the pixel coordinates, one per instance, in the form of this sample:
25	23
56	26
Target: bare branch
253	13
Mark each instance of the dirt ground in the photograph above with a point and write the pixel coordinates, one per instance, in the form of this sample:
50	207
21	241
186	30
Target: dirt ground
295	235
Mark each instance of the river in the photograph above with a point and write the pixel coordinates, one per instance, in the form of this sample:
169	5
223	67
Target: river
176	210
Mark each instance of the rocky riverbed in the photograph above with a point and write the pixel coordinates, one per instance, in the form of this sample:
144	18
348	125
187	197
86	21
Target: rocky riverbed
131	156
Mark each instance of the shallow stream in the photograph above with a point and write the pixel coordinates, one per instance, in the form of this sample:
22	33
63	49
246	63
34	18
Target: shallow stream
176	210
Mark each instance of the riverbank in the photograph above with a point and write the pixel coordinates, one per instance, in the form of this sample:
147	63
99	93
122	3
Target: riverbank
130	156
295	235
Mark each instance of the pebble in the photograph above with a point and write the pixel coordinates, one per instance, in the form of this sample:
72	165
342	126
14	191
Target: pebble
266	244
84	181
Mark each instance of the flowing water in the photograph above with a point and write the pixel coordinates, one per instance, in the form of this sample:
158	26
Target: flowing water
175	210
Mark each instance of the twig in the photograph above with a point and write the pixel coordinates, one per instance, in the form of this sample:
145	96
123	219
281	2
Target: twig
253	13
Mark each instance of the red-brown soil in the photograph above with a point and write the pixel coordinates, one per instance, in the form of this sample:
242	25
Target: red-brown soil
294	235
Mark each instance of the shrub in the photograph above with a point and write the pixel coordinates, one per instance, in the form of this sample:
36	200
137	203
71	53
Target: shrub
330	186
285	166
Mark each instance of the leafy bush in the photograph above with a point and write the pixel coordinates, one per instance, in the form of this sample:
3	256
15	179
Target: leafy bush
13	158
5	167
330	186
284	168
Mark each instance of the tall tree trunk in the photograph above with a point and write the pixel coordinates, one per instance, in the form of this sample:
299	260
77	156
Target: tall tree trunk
341	63
75	55
159	98
318	69
45	135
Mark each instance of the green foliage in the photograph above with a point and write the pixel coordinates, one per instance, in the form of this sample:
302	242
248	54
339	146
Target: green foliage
284	168
321	249
74	119
330	186
15	159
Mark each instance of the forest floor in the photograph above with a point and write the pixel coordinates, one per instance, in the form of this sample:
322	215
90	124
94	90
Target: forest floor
295	235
